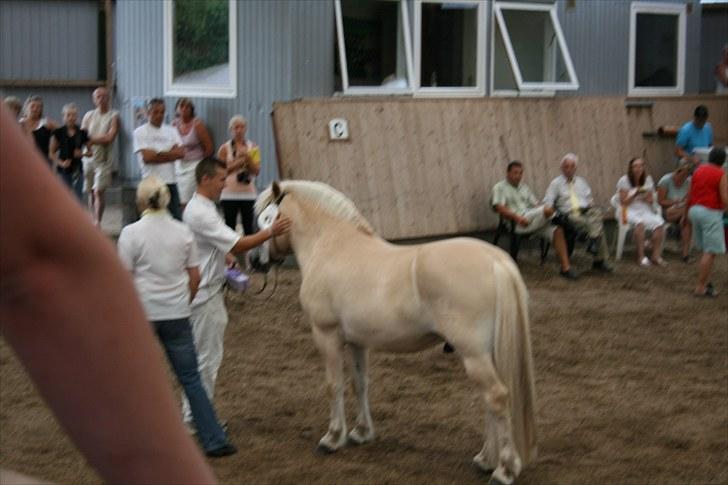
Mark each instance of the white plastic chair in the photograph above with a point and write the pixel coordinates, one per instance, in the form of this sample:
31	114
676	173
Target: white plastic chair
623	227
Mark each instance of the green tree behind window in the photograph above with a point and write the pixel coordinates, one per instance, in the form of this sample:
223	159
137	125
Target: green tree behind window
200	34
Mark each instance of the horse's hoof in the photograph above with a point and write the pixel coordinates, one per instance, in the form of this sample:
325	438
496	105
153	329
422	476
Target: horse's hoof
355	437
484	469
323	450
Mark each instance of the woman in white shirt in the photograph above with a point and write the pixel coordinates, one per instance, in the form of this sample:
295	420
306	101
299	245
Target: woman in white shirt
161	255
636	192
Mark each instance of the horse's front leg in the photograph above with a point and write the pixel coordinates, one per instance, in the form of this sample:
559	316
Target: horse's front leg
332	347
364	429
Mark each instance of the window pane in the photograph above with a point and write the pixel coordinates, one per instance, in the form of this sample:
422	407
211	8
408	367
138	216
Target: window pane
375	51
656	50
536	46
503	77
201	42
449	45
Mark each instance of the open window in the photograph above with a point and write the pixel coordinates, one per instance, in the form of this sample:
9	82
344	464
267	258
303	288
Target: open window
373	45
200	48
529	53
656	49
450	47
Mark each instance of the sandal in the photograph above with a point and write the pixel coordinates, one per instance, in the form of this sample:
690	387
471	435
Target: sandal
709	292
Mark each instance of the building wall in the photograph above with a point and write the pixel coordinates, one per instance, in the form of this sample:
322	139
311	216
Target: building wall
283	49
42	40
597	33
425	167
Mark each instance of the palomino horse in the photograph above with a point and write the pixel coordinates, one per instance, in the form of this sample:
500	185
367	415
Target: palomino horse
361	292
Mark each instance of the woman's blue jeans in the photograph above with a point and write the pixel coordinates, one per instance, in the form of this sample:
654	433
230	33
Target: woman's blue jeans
176	338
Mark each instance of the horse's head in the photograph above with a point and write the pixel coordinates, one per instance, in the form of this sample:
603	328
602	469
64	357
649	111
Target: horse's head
274	250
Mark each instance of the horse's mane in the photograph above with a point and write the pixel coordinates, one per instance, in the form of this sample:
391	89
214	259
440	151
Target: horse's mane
322	197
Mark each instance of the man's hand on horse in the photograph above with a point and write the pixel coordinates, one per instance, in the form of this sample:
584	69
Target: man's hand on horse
280	226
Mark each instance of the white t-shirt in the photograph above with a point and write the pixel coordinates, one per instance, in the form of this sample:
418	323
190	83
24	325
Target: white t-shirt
214	240
157	250
160	139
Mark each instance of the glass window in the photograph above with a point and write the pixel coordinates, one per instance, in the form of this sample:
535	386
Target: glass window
200	48
373	36
449	45
657	33
529	50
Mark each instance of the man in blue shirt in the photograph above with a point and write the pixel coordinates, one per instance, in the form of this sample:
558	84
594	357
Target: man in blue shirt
694	134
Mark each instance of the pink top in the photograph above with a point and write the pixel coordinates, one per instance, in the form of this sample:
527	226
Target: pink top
191	143
235	190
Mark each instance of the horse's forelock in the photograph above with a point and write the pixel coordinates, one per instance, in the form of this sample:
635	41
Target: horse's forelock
322	196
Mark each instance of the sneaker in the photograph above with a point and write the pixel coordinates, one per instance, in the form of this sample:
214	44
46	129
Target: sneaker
645	262
225	450
593	246
659	262
601	266
569	274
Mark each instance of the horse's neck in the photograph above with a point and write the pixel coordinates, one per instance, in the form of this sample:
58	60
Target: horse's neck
310	227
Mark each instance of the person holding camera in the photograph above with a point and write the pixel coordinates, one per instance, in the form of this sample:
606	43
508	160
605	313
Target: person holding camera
242	157
636	192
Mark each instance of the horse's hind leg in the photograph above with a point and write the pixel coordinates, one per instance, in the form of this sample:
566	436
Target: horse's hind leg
508	465
332	347
364	429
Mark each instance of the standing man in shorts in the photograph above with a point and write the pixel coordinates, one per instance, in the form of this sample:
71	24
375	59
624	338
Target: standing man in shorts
102	125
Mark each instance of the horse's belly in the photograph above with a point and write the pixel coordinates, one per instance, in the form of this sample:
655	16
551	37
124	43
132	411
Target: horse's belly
391	338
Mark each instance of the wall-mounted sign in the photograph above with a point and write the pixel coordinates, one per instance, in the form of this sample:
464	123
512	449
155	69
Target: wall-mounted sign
338	129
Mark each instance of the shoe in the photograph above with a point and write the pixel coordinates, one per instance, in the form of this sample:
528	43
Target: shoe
447	348
593	246
686	259
225	450
659	262
645	262
569	274
601	266
709	292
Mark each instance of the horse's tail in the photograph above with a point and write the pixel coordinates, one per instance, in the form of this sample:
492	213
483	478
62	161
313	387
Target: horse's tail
512	356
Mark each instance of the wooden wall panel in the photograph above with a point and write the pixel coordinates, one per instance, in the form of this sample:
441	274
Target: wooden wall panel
424	167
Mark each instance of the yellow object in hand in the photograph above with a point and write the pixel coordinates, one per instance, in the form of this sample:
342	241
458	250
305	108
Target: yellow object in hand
254	157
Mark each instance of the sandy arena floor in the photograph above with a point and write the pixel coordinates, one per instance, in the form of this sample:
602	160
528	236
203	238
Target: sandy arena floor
632	383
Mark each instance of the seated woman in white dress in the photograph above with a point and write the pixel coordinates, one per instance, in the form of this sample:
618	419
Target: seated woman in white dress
636	192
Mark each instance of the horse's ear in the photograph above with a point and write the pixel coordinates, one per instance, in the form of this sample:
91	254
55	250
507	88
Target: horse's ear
276	190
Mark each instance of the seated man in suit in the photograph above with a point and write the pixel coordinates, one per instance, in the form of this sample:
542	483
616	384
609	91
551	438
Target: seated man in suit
515	201
571	196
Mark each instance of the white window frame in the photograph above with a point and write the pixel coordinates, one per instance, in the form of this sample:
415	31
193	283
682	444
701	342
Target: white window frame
528	88
479	88
199	90
661	9
373	90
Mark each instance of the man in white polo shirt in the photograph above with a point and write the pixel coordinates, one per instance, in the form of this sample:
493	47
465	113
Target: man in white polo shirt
215	243
158	146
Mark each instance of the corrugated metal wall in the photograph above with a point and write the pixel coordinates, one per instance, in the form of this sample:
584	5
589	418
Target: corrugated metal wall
714	35
597	32
48	39
285	50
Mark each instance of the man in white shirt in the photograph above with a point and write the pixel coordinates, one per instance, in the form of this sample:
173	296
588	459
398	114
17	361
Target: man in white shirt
102	125
571	196
158	146
216	244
